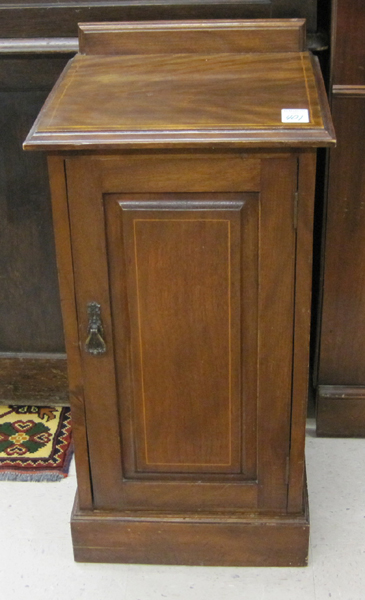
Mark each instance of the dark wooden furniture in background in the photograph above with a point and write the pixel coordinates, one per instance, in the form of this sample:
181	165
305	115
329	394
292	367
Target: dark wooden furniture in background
32	360
341	377
37	38
183	212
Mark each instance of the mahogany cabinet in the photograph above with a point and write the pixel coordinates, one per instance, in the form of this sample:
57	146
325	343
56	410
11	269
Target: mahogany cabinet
341	376
182	202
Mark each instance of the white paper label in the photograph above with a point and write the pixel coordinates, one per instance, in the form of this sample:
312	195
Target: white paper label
294	115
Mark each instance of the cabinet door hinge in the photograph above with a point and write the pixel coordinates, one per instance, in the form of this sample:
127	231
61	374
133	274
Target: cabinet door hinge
295	216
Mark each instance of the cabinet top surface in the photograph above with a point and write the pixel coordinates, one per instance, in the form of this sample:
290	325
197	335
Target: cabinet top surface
184	98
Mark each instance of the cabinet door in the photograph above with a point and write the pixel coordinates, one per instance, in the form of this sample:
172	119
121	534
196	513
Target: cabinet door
191	259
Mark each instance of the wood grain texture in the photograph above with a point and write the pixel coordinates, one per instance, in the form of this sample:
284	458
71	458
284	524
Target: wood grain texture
341	348
183	100
182	92
343	321
191	540
51	19
192	37
272	305
178	351
30	317
348	61
30	379
56	169
139	493
97	375
158	202
340	411
323	98
354	91
186	172
275	329
302	321
184	288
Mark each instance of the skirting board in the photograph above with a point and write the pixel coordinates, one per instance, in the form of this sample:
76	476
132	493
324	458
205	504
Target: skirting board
340	411
204	540
34	379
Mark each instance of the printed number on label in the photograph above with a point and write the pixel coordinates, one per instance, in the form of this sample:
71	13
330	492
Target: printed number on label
294	115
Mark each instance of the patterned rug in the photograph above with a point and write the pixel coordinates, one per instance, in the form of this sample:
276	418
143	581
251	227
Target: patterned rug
35	443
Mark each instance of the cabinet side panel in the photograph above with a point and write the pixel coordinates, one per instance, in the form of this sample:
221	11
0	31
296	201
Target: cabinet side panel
307	167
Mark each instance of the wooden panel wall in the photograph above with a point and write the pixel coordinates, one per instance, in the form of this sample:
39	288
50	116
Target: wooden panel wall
52	19
30	319
341	376
32	365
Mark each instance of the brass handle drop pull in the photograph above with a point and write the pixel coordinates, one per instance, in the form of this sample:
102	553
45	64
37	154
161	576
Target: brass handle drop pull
95	343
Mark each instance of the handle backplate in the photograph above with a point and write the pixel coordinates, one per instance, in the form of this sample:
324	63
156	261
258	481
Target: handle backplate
95	343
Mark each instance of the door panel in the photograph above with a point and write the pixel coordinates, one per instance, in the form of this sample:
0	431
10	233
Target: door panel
183	288
183	301
197	293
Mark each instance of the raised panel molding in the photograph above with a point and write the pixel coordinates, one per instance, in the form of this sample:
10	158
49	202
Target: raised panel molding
163	239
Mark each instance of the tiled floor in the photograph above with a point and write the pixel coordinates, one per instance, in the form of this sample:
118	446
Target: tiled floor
36	560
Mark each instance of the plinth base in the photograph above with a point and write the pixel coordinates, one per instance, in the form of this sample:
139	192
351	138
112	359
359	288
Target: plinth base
218	539
340	411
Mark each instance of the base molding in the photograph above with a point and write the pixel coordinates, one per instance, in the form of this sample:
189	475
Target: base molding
34	379
340	411
195	539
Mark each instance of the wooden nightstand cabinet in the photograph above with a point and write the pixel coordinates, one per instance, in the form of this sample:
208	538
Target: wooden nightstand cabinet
183	219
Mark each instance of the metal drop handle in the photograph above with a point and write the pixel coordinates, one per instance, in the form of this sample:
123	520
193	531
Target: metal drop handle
95	343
